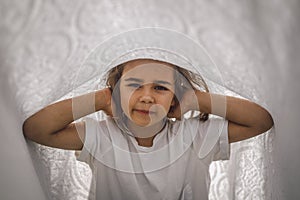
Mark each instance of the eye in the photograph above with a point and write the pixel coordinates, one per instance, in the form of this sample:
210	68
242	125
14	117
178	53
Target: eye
159	87
134	85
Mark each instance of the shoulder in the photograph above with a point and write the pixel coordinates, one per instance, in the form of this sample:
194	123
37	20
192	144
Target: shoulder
195	122
103	126
188	124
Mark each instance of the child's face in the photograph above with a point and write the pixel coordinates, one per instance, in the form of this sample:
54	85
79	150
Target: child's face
147	91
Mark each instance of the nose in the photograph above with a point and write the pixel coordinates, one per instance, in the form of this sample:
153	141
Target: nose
146	95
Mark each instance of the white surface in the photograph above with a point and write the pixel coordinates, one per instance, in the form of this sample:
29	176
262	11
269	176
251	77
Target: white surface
18	177
255	44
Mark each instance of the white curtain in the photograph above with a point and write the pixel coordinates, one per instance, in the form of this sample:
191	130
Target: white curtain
254	44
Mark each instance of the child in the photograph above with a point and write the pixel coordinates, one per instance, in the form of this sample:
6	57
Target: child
140	151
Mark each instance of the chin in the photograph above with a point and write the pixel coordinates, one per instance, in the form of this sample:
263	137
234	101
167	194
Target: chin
142	124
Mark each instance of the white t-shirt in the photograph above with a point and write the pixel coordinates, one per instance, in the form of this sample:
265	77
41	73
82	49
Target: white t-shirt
175	167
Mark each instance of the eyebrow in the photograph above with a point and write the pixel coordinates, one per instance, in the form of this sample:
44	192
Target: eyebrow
134	79
162	82
156	81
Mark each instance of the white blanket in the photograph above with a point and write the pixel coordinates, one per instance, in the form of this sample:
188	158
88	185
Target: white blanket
255	44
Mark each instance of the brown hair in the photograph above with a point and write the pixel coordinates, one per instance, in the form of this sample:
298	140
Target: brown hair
186	80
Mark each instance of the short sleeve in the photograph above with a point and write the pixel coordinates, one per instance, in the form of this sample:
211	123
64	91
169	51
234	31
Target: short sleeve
211	139
222	147
89	145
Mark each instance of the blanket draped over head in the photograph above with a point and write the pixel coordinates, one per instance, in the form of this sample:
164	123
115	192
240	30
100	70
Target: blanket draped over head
53	50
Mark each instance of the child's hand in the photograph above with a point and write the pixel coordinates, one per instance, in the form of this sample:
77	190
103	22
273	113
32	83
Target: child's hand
104	101
188	102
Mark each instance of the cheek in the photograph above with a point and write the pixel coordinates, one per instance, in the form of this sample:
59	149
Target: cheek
167	101
126	99
171	99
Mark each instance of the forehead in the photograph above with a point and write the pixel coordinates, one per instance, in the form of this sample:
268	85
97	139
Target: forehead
149	70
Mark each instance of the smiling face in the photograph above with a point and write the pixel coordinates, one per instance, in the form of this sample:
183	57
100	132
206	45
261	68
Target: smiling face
147	91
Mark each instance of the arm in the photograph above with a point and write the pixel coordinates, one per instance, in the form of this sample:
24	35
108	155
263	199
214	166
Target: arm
52	126
245	118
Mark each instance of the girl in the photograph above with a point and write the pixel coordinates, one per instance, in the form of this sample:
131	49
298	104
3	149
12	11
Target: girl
140	151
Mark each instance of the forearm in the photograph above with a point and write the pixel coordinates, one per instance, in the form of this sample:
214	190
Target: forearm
234	109
58	115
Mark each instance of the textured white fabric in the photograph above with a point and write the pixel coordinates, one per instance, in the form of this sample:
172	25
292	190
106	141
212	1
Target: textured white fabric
124	170
255	44
154	43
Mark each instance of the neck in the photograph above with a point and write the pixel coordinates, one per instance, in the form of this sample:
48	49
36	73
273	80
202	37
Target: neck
145	134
